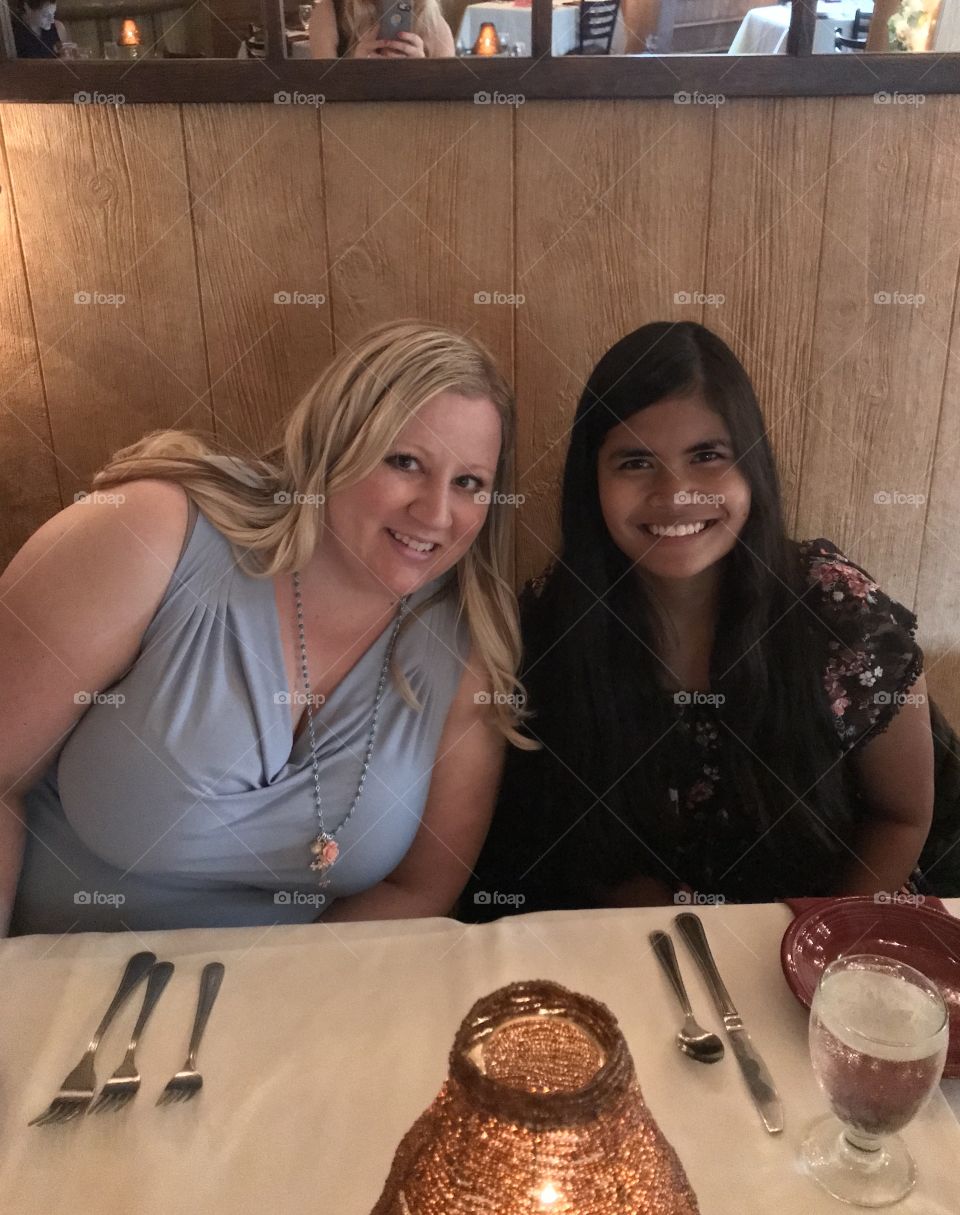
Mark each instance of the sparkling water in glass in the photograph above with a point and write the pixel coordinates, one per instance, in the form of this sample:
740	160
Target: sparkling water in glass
878	1042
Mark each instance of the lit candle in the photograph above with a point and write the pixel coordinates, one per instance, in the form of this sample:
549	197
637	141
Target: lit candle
487	41
129	34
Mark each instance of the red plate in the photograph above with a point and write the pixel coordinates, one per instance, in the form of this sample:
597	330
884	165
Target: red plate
925	939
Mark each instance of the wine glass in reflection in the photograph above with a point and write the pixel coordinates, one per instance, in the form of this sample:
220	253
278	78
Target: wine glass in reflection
306	12
878	1041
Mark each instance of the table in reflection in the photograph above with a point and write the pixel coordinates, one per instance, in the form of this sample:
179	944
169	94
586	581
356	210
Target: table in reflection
517	23
763	31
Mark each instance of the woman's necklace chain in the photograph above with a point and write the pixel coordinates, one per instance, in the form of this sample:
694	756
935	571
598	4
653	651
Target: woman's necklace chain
324	849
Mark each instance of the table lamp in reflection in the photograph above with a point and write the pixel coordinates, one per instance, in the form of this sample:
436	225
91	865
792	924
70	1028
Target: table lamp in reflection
128	44
541	1113
487	42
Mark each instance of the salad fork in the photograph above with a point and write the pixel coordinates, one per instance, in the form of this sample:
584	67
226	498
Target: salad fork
76	1091
124	1084
187	1082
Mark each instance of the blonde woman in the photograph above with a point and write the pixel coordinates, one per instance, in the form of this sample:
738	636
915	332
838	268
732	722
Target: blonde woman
342	29
260	690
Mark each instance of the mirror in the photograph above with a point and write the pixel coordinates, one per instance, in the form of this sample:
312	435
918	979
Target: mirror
744	27
130	30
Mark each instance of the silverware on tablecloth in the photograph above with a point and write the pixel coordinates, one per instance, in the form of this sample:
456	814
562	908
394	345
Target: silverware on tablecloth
692	1038
187	1082
77	1089
124	1084
758	1078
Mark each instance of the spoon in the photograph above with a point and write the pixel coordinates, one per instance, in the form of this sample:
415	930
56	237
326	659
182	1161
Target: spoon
692	1038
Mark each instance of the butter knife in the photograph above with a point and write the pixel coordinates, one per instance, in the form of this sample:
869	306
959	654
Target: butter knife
754	1070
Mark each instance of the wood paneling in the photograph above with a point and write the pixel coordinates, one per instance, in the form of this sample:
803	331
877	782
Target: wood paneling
29	474
420	216
251	257
101	200
768	182
611	225
797	211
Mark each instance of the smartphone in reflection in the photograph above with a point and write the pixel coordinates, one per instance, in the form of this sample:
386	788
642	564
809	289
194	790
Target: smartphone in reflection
396	16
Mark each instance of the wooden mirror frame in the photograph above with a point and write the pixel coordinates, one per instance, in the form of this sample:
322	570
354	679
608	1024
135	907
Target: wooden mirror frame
798	73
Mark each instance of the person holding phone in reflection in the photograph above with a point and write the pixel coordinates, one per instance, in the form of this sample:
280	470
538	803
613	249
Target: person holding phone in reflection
720	709
386	29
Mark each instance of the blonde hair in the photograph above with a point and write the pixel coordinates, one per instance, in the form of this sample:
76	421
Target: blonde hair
337	434
355	17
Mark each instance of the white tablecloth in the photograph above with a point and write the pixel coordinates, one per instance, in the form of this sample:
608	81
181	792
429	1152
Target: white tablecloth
328	1041
518	23
763	31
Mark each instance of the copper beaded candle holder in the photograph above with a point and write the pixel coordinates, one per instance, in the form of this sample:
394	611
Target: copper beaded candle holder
541	1114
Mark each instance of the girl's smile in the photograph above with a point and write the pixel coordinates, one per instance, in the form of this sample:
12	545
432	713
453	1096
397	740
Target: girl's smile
671	494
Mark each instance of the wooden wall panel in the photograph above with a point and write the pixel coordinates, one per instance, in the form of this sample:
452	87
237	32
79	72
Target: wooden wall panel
29	474
259	217
938	589
892	229
101	199
611	224
420	215
768	186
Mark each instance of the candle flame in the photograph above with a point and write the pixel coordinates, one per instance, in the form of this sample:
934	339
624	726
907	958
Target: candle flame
129	34
549	1194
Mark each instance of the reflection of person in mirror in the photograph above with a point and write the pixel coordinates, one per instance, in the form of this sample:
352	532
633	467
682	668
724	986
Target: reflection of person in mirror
341	29
36	33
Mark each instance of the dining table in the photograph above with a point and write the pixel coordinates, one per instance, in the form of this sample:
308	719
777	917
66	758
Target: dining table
329	1040
763	30
516	21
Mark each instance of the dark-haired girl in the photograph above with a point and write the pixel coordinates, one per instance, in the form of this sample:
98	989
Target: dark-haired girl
720	709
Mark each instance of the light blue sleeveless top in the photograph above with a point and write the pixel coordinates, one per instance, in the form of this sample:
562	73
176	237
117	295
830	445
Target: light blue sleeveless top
187	803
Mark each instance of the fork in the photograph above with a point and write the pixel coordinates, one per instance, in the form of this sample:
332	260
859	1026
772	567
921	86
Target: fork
187	1082
76	1091
124	1084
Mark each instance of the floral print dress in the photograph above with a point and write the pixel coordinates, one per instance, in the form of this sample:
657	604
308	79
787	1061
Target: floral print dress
872	661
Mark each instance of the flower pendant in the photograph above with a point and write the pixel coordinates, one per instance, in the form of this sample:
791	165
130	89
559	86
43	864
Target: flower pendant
325	850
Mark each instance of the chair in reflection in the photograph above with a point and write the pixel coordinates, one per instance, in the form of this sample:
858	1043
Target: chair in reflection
857	38
598	19
701	27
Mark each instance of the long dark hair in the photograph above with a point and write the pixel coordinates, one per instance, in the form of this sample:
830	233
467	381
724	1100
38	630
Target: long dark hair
595	801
